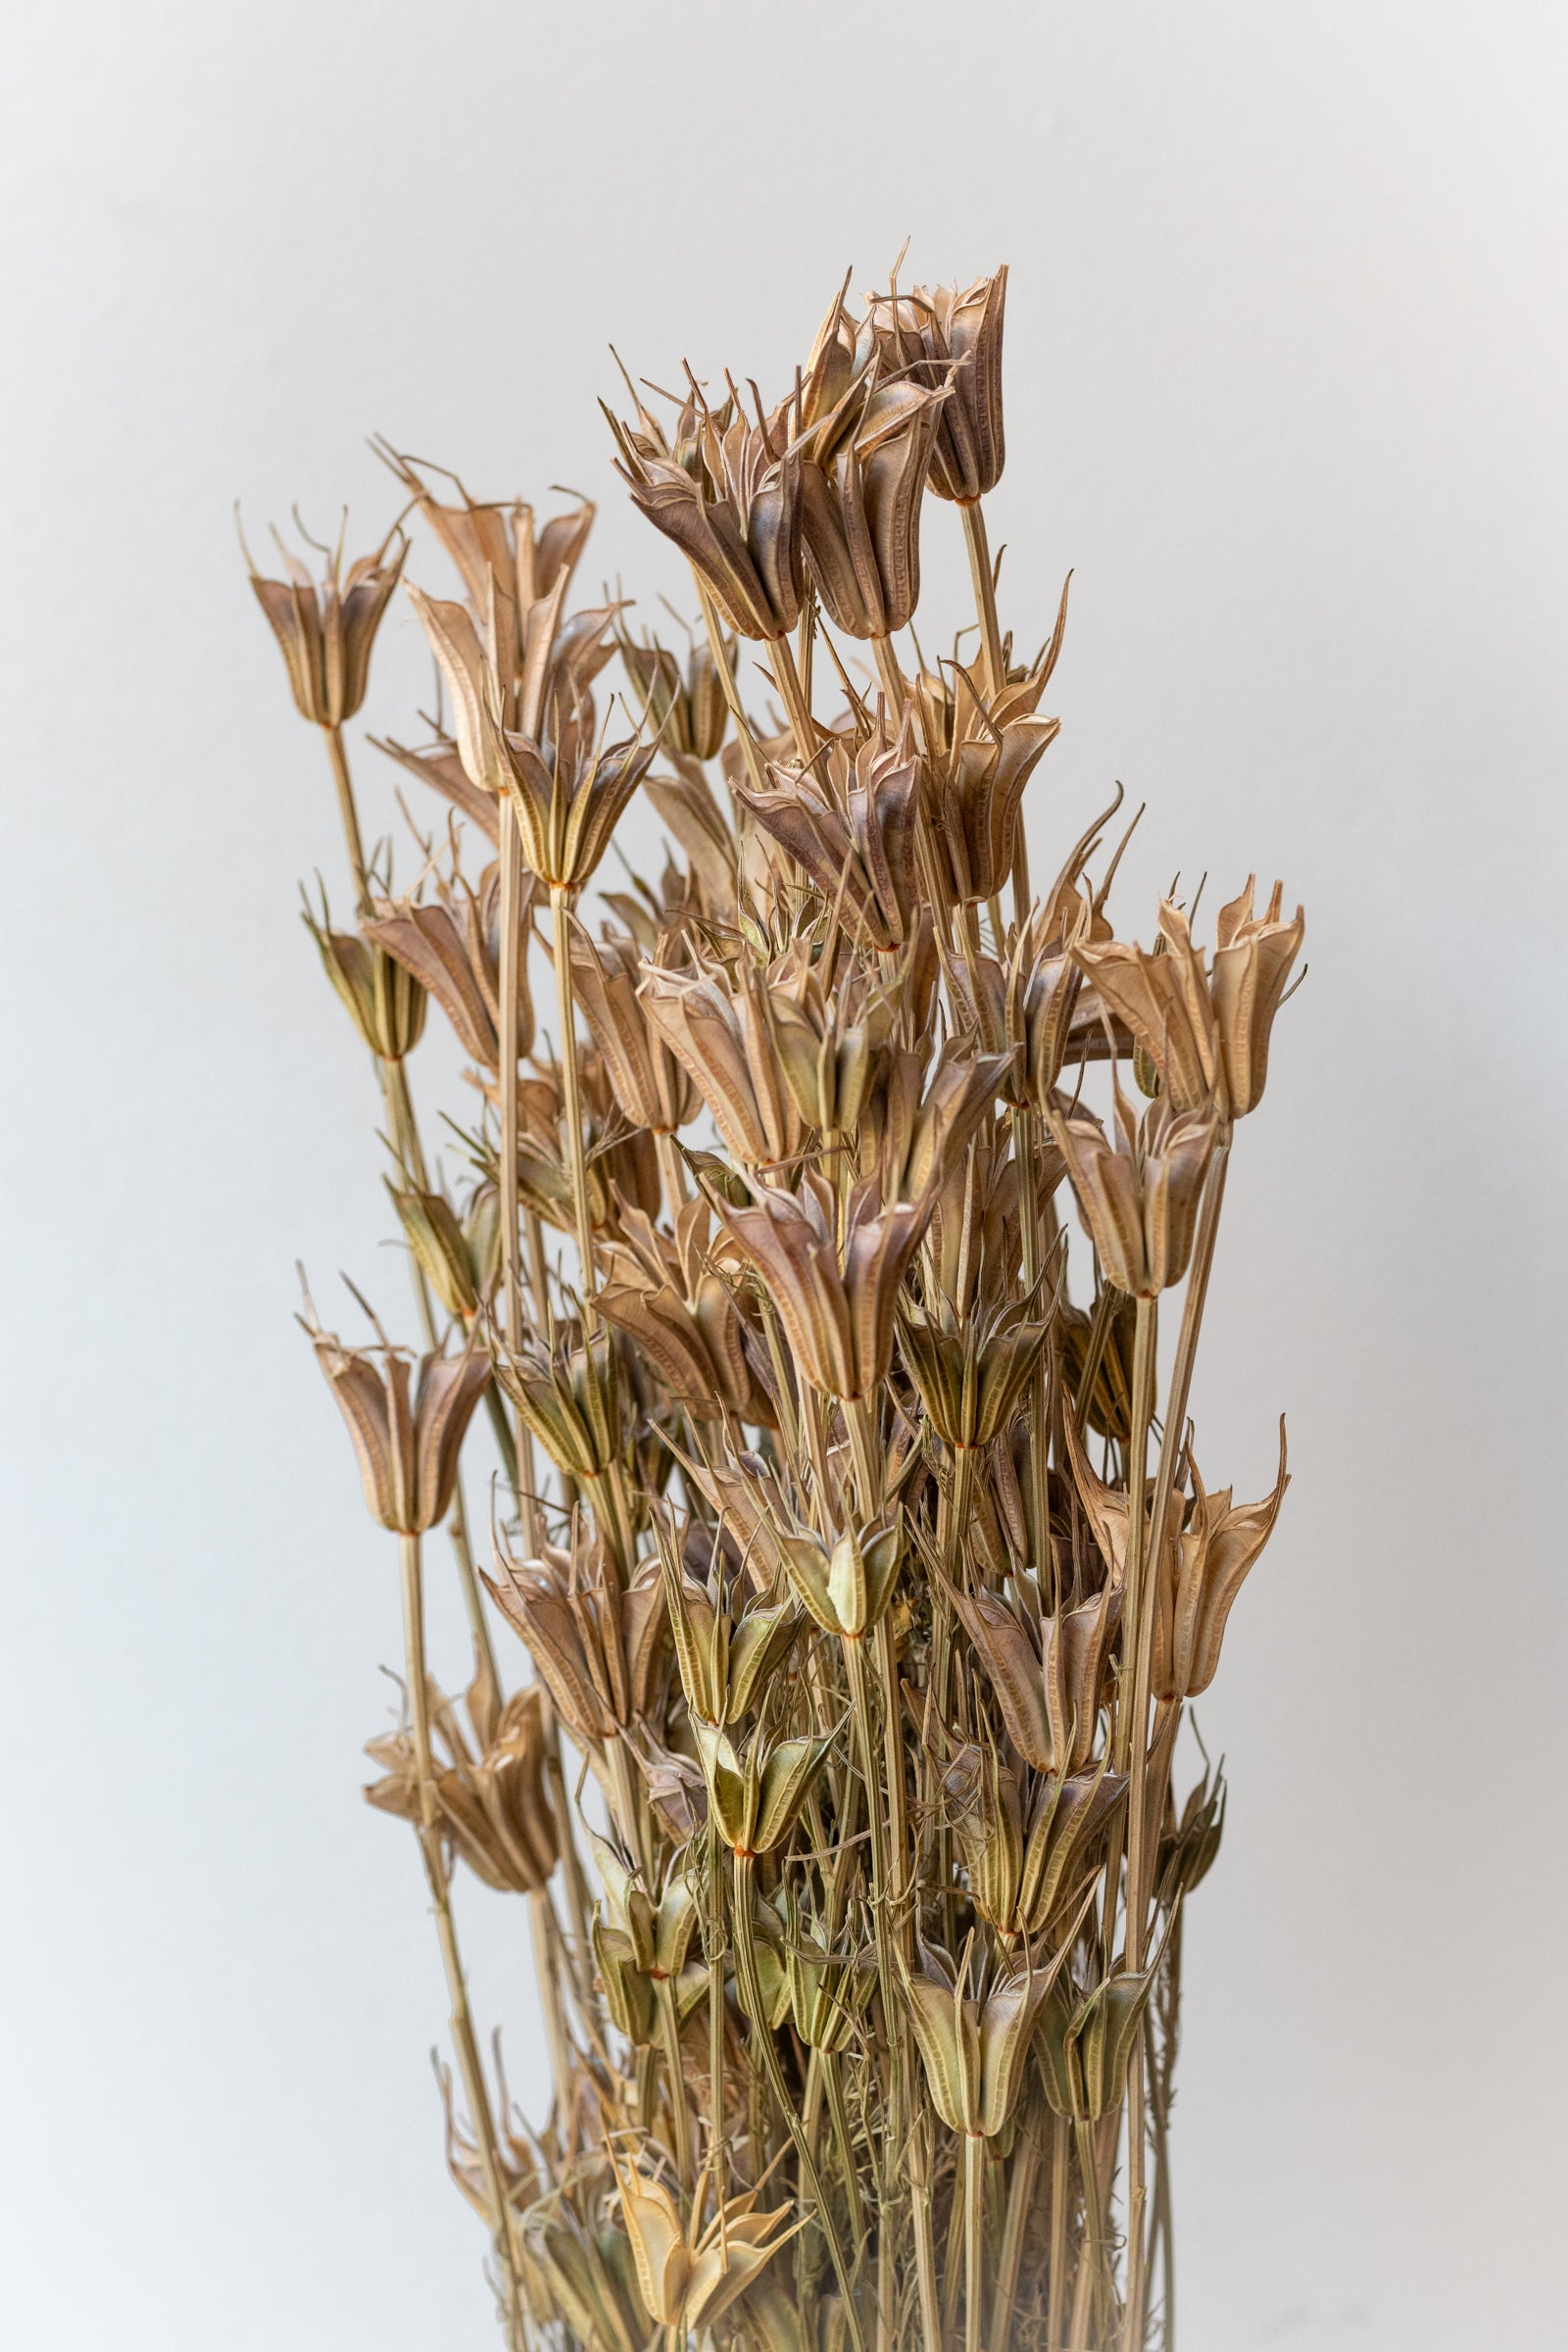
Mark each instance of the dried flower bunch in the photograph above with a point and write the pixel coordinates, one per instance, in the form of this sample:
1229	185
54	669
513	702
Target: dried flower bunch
848	1505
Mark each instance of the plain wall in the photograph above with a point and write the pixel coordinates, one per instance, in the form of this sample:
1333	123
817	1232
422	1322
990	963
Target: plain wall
1286	386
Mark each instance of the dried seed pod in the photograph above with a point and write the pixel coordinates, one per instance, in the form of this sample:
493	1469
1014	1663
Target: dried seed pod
1138	1198
1048	1672
836	1303
1188	1853
975	2043
382	997
638	1943
567	791
1069	1812
514	572
687	2279
720	1035
1201	1574
571	1401
584	2279
731	500
1252	960
949	336
1205	1033
847	817
568	803
452	945
443	1249
986	1809
651	1087
1108	1409
1098	2042
725	1659
689	711
824	2003
846	1589
860	495
1163	997
753	1798
916	1130
407	1425
980	751
971	1371
328	631
492	1797
664	1294
599	1646
830	1040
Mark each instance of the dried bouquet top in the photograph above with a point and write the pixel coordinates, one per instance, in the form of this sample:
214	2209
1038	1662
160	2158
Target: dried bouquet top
847	1506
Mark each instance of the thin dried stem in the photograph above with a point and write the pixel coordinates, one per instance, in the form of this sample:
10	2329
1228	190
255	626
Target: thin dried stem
474	2087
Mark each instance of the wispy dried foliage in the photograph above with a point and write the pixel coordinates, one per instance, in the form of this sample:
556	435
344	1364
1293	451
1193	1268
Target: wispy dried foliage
843	1492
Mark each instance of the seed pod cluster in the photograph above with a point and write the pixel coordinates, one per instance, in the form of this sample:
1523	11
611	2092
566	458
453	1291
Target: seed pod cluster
834	1305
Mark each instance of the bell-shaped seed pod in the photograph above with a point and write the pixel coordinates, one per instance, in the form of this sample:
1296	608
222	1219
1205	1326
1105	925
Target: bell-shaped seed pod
772	1972
583	2278
659	2244
836	1303
719	1033
1206	1567
754	1799
598	1646
821	1986
650	1086
674	1924
847	818
516	570
628	1990
759	1643
435	1235
733	509
975	2047
1163	997
860	509
407	1425
569	806
1139	1198
1104	2029
733	1784
831	1043
689	712
971	1373
985	1811
477	693
502	1801
1011	1656
952	335
1189	1853
1055	2055
1007	2024
700	1633
627	1903
452	945
1252	960
1069	1812
326	633
571	1401
384	1001
491	1800
947	2033
791	1767
861	1577
975	792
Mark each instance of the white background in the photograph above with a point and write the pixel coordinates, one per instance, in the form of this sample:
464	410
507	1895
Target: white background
1286	385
